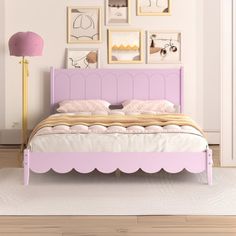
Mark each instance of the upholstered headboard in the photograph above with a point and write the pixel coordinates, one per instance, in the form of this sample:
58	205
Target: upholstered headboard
117	85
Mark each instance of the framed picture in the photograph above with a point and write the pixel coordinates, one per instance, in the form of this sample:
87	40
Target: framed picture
163	47
82	58
84	24
117	12
125	46
153	7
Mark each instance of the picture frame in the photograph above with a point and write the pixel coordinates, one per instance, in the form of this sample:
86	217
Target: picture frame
164	47
83	58
125	46
153	7
117	12
84	24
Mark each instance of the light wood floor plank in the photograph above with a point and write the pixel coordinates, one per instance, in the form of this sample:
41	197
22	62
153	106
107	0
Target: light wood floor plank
154	234
216	155
118	225
188	220
10	158
218	220
30	234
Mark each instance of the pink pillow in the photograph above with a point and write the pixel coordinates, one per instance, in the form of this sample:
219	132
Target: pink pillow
141	106
83	106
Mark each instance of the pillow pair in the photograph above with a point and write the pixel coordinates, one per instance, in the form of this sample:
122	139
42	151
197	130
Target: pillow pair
129	106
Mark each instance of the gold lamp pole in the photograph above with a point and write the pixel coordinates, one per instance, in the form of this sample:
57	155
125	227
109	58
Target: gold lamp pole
25	77
24	44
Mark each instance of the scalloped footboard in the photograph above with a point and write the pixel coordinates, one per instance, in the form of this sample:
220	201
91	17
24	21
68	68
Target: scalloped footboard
194	162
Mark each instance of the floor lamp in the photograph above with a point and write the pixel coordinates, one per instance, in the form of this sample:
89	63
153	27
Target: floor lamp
25	44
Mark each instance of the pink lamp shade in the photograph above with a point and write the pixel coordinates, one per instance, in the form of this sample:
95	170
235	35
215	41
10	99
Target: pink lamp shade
24	44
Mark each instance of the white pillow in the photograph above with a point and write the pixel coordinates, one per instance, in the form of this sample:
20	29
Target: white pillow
73	106
144	106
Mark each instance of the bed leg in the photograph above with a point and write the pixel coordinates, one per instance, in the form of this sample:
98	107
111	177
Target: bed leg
209	166
117	173
26	167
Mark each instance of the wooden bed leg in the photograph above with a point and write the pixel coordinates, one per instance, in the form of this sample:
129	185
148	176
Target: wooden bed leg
118	173
209	166
26	167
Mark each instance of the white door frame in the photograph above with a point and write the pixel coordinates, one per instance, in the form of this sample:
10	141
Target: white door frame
228	98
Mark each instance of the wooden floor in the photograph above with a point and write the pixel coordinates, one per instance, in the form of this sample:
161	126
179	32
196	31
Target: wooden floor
110	225
117	226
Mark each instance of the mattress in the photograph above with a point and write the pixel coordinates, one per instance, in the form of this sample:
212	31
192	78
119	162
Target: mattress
166	142
97	138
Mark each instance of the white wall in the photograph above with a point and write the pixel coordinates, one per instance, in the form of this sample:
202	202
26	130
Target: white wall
48	18
208	67
2	64
228	85
211	64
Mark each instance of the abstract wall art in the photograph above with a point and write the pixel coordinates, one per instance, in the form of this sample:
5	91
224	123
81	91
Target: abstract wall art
84	24
117	12
163	47
125	46
153	7
82	58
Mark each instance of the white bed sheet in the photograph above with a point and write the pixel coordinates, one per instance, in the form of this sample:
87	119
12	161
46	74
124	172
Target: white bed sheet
118	142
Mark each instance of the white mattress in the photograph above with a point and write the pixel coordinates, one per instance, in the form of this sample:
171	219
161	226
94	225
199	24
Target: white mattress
98	138
118	142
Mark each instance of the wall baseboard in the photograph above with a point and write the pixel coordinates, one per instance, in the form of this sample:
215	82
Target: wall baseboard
13	136
213	136
10	136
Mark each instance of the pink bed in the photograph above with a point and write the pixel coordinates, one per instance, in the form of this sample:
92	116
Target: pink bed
115	86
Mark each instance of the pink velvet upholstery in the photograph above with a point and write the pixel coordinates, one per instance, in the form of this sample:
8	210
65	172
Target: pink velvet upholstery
24	44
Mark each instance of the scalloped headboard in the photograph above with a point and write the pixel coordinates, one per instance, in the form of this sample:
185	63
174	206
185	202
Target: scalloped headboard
116	85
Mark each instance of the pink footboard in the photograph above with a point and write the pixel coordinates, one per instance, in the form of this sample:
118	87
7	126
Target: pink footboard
194	162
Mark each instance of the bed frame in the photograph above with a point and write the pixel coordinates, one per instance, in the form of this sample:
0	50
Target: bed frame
115	86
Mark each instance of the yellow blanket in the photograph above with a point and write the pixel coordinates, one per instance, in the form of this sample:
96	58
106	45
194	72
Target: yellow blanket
117	120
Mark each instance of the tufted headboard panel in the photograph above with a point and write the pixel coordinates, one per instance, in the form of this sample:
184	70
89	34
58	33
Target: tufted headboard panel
117	85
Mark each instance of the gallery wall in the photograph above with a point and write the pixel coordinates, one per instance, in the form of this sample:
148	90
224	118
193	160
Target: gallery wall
200	56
